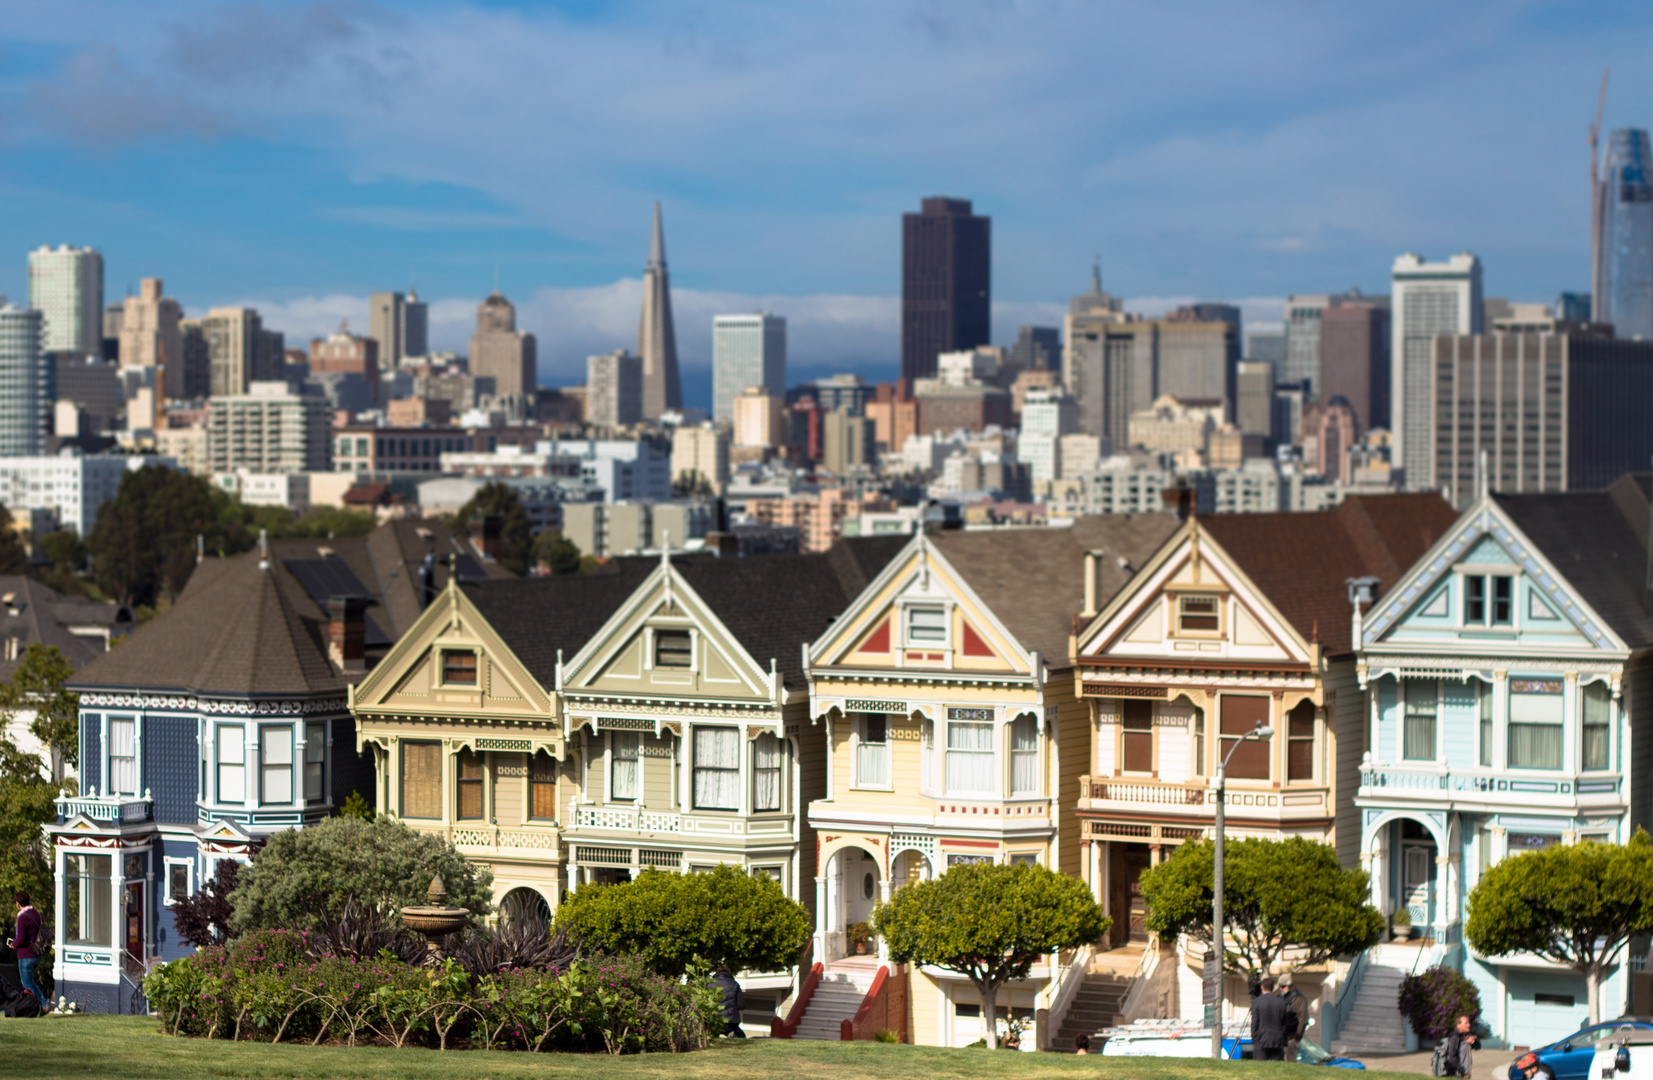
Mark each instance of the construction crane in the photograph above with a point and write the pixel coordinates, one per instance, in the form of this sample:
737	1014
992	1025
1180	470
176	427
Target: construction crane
1598	211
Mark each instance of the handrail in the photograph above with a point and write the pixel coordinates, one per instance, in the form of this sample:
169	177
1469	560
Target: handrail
850	1030
1345	998
1068	984
785	1029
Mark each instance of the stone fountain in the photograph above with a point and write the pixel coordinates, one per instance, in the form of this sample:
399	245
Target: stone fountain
435	921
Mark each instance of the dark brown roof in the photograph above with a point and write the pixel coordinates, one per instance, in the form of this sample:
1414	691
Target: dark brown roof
44	615
1591	538
1033	578
538	616
239	630
1302	561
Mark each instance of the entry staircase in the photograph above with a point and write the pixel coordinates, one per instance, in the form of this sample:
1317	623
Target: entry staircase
1095	1006
1374	1024
843	986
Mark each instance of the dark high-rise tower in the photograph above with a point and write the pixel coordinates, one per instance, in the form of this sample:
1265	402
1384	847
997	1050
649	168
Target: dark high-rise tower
946	283
656	337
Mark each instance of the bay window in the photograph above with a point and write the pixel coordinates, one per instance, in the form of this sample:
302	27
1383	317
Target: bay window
315	761
766	773
1536	720
123	756
1137	736
1024	756
716	768
1300	742
969	754
542	786
1239	716
872	750
1597	704
623	766
275	763
232	763
470	785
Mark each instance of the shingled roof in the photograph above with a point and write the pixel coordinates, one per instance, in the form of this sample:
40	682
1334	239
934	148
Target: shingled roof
242	630
1597	541
1302	561
35	613
1033	578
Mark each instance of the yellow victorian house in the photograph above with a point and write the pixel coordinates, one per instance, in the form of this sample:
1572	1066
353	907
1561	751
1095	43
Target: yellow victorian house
944	698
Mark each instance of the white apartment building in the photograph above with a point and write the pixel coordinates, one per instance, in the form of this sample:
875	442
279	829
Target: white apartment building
291	490
70	486
1047	415
702	450
269	430
23	400
511	461
626	469
747	350
1425	299
66	287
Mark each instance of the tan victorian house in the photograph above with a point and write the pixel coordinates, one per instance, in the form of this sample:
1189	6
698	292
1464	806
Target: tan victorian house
1237	620
944	699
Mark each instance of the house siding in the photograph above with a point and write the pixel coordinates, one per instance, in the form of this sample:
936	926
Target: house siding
1346	722
171	763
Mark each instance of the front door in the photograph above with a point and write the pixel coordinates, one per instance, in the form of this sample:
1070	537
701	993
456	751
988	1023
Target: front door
1130	914
860	884
134	920
1418	878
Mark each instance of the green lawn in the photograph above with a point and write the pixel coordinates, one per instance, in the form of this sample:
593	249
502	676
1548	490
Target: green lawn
119	1047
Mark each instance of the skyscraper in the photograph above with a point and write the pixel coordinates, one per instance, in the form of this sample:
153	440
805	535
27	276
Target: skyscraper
151	334
499	351
23	401
747	350
1037	348
656	337
1426	299
398	323
946	283
614	389
1354	360
66	287
1621	285
415	326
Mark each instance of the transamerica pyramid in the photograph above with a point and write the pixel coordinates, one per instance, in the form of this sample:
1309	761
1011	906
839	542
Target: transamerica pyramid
656	339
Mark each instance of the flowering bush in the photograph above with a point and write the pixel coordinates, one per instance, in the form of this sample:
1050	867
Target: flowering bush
270	986
1433	1000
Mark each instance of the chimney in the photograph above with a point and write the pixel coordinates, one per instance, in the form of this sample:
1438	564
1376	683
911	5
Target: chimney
1180	500
722	544
347	633
1093	561
488	535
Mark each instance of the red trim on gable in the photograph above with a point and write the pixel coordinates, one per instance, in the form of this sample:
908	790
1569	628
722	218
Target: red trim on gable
973	643
879	640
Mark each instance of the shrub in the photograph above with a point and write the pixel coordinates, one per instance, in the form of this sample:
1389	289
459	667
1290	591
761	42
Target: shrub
1433	1000
360	932
523	942
204	919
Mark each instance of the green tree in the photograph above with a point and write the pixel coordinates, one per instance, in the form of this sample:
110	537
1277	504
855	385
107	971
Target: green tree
557	553
1575	904
143	544
495	499
27	801
990	923
724	916
1277	895
65	549
37	685
302	875
693	484
14	557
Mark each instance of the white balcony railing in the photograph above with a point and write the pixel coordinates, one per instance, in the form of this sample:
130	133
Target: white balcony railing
116	809
1438	781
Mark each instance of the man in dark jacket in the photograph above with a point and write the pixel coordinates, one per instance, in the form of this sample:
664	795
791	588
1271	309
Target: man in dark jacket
1299	1006
1272	1024
26	940
1460	1048
733	1002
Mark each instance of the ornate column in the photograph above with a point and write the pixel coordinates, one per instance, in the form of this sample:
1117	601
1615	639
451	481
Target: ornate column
823	921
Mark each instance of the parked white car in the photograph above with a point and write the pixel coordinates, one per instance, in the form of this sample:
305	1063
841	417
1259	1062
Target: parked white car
1629	1058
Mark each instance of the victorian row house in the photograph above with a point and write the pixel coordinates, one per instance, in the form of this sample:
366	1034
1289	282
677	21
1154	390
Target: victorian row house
216	724
1506	679
1235	621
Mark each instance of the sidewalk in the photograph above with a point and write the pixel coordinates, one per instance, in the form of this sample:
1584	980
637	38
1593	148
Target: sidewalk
1489	1064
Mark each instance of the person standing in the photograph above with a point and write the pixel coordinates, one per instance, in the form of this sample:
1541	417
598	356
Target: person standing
733	1002
1299	1006
26	940
1272	1024
1460	1048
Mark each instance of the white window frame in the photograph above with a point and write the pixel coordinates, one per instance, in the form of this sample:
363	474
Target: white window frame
319	727
614	761
1037	753
858	740
219	764
651	643
109	753
911	642
264	766
995	733
166	880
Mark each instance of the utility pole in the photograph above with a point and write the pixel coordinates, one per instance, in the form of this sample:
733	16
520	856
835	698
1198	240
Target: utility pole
1261	731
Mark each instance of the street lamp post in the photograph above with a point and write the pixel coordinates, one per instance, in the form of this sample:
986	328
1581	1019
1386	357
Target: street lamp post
1261	731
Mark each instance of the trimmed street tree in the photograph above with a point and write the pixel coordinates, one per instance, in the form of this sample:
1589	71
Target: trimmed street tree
723	916
990	923
301	876
37	685
1278	895
1575	904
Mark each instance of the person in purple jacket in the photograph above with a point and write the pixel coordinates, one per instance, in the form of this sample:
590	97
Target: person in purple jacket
26	940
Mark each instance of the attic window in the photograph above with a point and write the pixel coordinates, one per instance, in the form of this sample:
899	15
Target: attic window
1198	614
926	626
673	649
324	552
459	667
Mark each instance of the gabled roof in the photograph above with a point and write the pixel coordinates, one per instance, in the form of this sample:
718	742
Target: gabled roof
44	615
536	617
242	631
1302	561
1033	579
1597	541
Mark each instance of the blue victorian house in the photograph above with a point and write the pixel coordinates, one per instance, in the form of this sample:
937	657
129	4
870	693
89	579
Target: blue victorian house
1502	672
216	724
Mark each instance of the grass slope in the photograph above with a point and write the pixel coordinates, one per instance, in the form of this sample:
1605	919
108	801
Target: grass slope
131	1047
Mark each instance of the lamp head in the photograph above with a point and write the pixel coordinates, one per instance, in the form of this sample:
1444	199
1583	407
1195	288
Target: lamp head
1264	731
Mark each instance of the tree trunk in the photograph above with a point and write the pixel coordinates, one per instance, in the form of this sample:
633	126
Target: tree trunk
989	989
1592	979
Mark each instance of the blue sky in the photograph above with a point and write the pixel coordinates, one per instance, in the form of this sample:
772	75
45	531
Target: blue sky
298	156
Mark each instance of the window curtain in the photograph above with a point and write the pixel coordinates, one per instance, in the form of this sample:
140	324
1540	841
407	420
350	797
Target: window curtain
1535	730
1419	735
1024	756
624	745
872	752
123	755
717	768
766	773
421	779
970	758
1598	743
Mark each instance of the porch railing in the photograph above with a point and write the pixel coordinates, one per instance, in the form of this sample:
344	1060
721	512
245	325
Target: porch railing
1438	779
883	1009
1110	789
118	809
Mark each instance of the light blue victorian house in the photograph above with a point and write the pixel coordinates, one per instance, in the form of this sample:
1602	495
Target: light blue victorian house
1507	711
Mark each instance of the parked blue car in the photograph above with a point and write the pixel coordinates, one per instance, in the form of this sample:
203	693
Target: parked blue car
1308	1053
1571	1057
